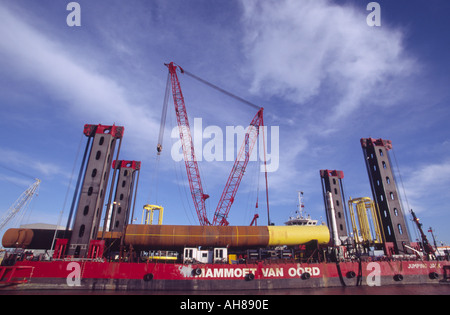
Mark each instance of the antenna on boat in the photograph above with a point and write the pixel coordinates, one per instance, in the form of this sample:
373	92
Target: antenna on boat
301	206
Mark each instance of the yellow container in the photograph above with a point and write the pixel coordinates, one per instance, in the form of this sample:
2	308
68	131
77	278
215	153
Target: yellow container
295	235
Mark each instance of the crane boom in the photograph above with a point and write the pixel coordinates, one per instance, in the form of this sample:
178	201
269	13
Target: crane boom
20	203
238	170
429	250
187	144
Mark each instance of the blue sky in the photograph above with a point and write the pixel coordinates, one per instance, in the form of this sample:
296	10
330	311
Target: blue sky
322	74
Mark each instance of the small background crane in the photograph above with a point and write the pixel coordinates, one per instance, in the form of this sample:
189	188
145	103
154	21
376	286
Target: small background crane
428	249
21	204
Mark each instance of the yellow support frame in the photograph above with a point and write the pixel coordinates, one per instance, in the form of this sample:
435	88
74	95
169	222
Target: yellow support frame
363	206
147	214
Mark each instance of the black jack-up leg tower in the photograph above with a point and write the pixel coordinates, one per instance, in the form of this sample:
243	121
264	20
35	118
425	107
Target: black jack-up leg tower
385	193
120	209
101	144
332	182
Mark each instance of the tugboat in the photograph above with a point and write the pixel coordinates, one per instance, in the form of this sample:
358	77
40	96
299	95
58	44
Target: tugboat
298	218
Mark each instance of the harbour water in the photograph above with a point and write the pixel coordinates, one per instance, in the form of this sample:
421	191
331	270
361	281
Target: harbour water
404	297
436	289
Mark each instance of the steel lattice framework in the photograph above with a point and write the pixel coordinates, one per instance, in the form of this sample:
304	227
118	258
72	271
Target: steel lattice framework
238	170
20	204
190	161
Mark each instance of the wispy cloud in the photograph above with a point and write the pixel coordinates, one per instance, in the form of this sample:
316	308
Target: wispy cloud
299	50
325	63
20	182
73	82
425	181
30	166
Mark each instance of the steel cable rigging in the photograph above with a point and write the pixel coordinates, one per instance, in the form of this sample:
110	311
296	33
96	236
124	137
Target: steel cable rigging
195	183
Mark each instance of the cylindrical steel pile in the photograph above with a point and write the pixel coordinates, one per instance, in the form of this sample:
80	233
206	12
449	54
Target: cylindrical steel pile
146	237
177	236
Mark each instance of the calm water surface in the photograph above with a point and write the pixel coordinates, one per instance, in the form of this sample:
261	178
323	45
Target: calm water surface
438	289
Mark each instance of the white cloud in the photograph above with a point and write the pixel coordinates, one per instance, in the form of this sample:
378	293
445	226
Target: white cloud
15	180
75	85
425	185
329	63
300	49
28	165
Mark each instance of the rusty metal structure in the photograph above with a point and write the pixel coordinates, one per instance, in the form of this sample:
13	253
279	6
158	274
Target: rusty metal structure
180	236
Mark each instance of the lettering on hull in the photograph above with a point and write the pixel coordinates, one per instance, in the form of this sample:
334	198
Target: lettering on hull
223	272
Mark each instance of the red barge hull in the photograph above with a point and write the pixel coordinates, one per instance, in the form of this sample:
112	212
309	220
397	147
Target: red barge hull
97	275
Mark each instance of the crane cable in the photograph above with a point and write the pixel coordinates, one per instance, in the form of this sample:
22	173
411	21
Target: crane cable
265	174
159	147
240	99
404	193
162	125
18	172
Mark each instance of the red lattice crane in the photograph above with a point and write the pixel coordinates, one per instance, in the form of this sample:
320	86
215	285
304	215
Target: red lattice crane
238	170
195	183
